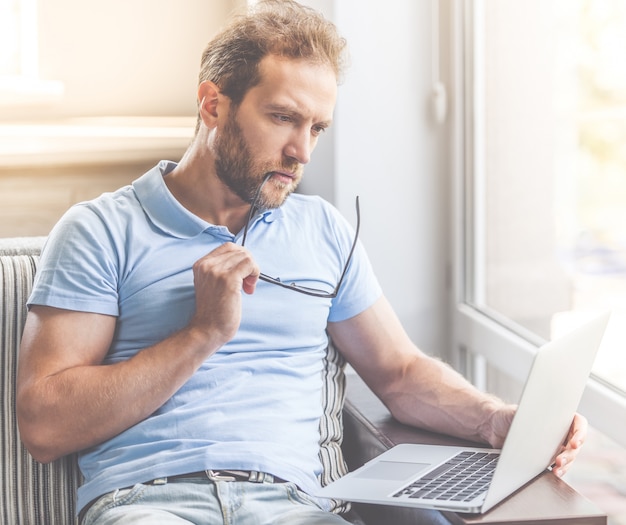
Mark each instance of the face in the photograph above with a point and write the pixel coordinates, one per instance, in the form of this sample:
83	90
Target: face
275	129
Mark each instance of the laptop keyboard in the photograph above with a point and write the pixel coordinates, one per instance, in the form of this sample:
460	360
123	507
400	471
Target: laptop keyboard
461	478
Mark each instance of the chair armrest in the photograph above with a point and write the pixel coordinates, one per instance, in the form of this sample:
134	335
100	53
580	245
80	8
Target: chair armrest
369	430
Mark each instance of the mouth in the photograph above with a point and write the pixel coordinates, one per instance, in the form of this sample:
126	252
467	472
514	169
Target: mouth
283	176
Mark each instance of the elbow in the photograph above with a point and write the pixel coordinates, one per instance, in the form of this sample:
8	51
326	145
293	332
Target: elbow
36	436
37	445
39	453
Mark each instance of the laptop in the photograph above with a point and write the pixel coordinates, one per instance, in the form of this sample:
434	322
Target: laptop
410	475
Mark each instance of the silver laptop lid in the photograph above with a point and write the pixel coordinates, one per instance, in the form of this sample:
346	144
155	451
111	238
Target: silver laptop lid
546	408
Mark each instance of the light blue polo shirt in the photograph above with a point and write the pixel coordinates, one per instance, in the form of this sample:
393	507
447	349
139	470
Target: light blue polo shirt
256	403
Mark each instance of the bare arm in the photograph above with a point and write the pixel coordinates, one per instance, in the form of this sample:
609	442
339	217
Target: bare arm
422	391
418	390
67	400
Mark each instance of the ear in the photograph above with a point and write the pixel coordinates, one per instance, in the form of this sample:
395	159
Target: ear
209	102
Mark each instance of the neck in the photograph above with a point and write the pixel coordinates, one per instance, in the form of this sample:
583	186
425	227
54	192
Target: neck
197	187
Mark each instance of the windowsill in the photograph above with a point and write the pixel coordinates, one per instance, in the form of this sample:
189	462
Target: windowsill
26	91
94	140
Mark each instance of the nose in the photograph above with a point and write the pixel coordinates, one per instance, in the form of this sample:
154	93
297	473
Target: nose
300	146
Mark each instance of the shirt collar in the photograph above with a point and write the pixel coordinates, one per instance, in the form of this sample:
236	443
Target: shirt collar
167	214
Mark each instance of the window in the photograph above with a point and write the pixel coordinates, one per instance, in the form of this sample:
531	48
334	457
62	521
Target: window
543	184
16	43
19	56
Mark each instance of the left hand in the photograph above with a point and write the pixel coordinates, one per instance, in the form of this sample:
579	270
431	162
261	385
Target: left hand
566	455
572	445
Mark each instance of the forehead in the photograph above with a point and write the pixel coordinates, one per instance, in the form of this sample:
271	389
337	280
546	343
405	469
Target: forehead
307	87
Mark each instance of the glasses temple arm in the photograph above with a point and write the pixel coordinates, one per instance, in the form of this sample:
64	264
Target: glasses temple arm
253	207
356	237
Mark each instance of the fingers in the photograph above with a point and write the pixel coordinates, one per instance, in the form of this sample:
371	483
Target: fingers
231	265
219	278
574	442
249	283
578	431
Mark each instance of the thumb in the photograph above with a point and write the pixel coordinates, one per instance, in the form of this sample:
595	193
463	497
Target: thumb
249	283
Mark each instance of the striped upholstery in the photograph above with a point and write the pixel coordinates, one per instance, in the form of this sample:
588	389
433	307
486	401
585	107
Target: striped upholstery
331	424
36	494
31	493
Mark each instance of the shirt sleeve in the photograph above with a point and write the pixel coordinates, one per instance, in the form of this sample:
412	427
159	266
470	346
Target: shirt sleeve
360	288
78	266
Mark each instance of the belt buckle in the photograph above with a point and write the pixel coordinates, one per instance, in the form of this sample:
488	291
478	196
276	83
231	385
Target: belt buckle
216	475
253	476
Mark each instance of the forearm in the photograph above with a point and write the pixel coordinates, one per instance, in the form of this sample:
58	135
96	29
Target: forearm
418	389
431	395
81	406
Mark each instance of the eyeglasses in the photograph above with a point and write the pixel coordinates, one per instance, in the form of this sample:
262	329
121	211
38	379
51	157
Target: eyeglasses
293	286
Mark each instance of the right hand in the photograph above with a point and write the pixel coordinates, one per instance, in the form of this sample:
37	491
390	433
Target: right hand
219	278
500	422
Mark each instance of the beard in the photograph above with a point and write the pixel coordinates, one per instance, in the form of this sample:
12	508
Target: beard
237	169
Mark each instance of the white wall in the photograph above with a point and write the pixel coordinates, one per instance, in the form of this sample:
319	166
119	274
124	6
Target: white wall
386	150
123	58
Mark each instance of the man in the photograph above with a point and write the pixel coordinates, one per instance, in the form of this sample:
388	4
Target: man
159	347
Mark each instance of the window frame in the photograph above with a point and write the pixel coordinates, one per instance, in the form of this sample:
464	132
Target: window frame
483	338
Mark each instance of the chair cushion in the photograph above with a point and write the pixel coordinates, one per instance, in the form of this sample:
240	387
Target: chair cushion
31	493
331	424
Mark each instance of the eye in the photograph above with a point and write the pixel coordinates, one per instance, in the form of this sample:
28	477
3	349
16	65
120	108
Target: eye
283	118
318	130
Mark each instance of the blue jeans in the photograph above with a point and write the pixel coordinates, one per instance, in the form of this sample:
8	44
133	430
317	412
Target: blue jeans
207	502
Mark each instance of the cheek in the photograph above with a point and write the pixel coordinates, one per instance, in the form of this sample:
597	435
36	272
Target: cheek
265	140
268	150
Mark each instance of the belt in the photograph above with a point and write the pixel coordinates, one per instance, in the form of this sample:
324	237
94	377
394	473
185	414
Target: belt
251	476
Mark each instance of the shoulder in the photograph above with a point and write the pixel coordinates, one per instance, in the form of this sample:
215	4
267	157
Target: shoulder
92	227
101	213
